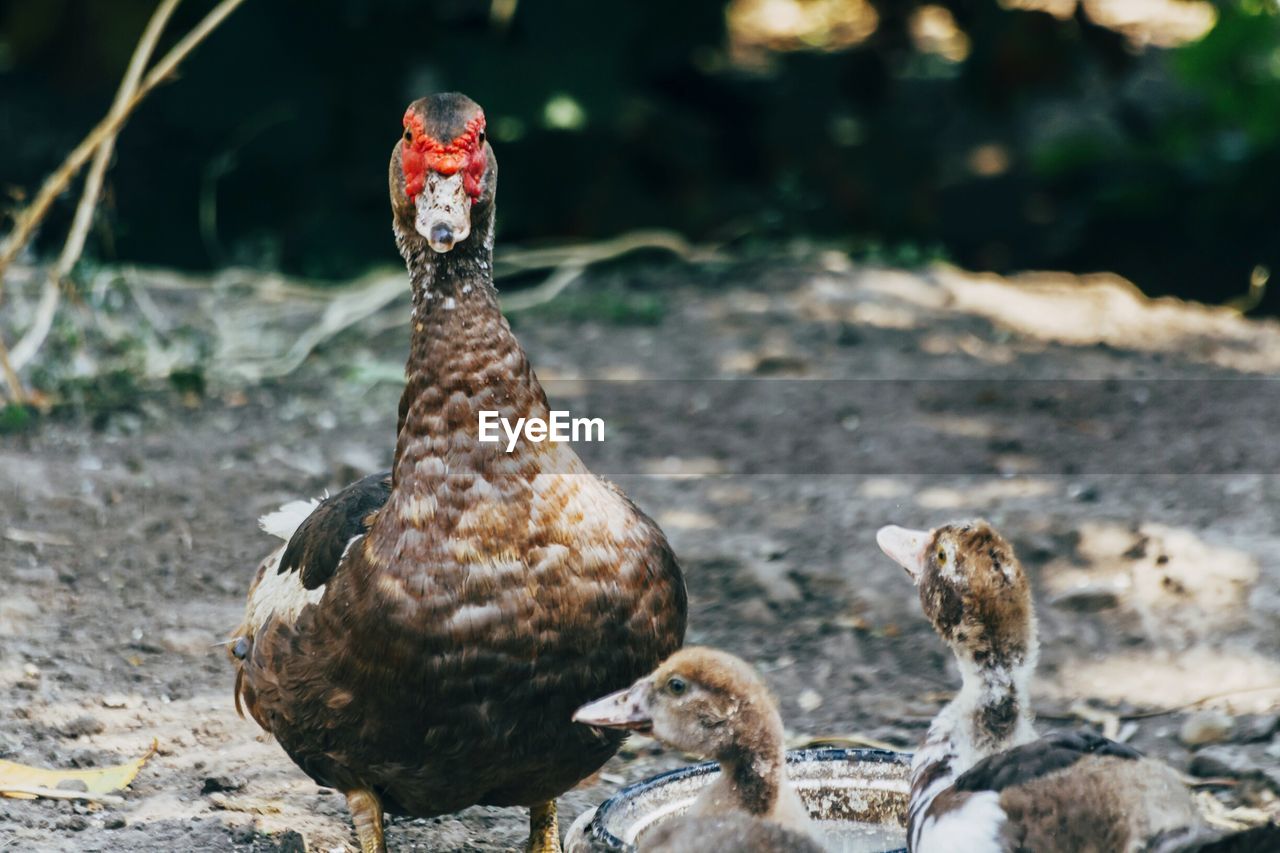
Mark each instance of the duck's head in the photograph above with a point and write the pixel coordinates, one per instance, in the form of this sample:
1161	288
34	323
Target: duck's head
699	700
443	172
972	588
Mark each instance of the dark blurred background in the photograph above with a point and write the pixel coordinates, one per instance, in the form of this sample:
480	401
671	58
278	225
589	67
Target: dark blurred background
1139	136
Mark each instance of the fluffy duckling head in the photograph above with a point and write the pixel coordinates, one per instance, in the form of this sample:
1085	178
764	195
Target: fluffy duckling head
972	588
702	701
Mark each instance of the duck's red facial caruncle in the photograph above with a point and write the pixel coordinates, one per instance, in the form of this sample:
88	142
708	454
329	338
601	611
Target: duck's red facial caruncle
443	178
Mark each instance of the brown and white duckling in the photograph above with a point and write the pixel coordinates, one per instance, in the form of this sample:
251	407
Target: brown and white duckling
983	780
711	703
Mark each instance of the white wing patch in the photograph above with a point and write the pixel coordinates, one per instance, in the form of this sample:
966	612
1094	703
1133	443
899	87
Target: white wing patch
283	522
276	595
975	827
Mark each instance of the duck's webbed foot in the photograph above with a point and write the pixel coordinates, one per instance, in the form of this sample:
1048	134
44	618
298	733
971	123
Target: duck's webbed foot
366	814
544	829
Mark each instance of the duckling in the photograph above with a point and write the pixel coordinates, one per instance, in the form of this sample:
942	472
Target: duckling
983	780
713	704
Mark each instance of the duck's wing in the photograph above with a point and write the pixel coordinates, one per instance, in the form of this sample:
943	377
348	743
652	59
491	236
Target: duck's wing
1078	791
1050	754
316	547
317	534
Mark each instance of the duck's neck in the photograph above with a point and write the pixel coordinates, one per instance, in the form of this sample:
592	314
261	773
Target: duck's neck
990	714
463	359
752	772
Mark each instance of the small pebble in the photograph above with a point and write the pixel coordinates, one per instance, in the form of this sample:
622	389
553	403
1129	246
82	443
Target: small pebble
291	841
115	822
213	784
809	699
84	758
1259	781
81	726
1207	726
73	785
1087	598
75	823
114	700
1256	728
849	335
1221	761
1084	493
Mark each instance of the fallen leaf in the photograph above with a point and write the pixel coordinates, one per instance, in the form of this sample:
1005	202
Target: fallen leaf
26	783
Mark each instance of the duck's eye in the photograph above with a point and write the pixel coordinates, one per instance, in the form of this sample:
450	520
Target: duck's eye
676	686
480	138
408	135
942	556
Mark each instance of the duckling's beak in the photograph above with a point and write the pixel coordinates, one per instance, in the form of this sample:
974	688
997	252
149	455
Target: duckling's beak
905	547
625	709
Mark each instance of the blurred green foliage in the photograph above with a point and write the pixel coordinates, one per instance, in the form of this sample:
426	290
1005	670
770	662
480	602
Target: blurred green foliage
1050	143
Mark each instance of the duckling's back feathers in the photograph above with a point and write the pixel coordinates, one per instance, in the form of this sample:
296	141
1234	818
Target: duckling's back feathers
1052	753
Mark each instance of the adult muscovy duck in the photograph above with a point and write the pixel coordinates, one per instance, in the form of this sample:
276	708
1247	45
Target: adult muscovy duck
422	640
983	781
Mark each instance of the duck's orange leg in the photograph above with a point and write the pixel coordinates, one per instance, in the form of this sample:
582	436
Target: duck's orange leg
544	828
366	814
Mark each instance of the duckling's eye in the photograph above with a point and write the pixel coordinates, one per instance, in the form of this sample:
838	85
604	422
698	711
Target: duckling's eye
676	686
942	556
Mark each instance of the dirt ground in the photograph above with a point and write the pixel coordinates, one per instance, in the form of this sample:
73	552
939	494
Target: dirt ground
1134	465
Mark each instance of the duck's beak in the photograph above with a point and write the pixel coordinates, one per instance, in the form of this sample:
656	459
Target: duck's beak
625	709
443	211
905	547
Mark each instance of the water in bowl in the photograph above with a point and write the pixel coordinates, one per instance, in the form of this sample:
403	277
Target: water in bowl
844	836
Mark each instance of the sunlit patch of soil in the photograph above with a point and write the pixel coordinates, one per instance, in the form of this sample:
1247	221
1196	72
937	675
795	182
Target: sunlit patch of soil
1240	680
1103	308
1184	590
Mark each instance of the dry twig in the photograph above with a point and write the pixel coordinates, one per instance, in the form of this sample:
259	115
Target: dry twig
34	213
569	262
368	295
11	376
1074	712
29	345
